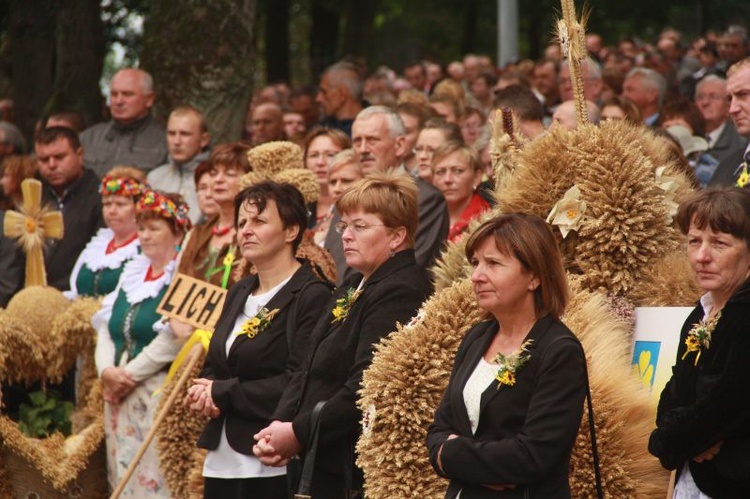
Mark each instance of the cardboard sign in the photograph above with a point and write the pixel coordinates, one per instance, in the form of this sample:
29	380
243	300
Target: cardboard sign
655	342
193	301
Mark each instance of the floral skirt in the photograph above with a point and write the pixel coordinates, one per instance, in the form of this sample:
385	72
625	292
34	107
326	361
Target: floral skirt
125	427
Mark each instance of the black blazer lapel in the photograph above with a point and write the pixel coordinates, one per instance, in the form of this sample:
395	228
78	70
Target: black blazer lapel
537	331
279	301
471	359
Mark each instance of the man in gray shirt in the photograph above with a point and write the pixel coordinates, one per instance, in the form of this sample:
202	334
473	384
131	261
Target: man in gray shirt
132	137
187	141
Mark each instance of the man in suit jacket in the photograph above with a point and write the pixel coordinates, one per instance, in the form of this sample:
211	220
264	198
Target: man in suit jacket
722	136
378	137
738	88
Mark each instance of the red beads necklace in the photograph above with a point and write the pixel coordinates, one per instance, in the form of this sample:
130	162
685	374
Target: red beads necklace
221	231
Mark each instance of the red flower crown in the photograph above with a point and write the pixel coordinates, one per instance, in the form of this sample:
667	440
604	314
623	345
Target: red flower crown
119	186
158	203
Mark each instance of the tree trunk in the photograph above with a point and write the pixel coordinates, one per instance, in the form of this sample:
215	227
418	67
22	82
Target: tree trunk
80	44
32	38
360	20
468	40
202	53
324	36
277	41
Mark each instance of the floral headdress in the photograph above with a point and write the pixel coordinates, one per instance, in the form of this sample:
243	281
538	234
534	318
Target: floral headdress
122	186
161	205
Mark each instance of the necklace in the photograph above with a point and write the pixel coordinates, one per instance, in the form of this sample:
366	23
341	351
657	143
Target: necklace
220	231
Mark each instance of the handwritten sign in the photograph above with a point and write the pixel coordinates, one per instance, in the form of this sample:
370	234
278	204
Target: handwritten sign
193	301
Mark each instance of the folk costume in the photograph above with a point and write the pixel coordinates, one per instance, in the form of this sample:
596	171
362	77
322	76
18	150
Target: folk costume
100	264
132	335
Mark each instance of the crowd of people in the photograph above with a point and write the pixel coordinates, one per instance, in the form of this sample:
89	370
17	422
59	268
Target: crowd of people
403	166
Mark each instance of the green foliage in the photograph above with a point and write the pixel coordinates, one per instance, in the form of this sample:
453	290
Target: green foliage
46	415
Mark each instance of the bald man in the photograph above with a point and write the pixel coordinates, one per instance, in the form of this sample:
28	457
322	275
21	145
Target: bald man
132	137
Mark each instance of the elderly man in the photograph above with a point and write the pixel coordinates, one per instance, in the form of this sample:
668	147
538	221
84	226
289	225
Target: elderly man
646	88
187	141
266	123
379	143
592	81
132	137
713	103
340	96
74	190
735	169
733	45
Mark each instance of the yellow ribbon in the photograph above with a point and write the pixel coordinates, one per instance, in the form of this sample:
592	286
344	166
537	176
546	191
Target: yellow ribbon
202	336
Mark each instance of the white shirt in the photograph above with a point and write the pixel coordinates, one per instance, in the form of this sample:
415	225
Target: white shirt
225	462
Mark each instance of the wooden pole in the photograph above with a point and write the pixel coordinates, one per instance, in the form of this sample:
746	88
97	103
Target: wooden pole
670	489
193	357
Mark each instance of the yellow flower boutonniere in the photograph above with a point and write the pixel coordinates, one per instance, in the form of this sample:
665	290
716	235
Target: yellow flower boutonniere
344	304
257	323
699	337
511	364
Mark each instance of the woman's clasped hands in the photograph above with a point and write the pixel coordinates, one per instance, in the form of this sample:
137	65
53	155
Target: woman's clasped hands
276	444
198	398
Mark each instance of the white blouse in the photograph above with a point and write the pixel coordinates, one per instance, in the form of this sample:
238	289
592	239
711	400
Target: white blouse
483	375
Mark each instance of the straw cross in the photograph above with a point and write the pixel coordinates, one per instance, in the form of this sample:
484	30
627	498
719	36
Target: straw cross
31	225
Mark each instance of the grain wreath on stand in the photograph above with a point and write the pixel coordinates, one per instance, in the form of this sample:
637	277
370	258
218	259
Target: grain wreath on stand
618	240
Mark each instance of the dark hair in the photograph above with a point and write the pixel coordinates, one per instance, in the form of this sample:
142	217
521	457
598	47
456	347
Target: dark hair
682	107
723	209
203	168
55	133
521	101
289	203
529	239
74	119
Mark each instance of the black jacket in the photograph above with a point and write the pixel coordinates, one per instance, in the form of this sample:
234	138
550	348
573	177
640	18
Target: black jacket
708	402
81	207
248	383
728	169
341	351
526	431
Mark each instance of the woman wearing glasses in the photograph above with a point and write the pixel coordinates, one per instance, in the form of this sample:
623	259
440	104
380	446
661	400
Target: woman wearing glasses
378	223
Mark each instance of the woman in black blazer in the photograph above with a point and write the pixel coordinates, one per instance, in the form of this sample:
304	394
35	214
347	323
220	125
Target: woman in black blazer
510	414
259	340
378	223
